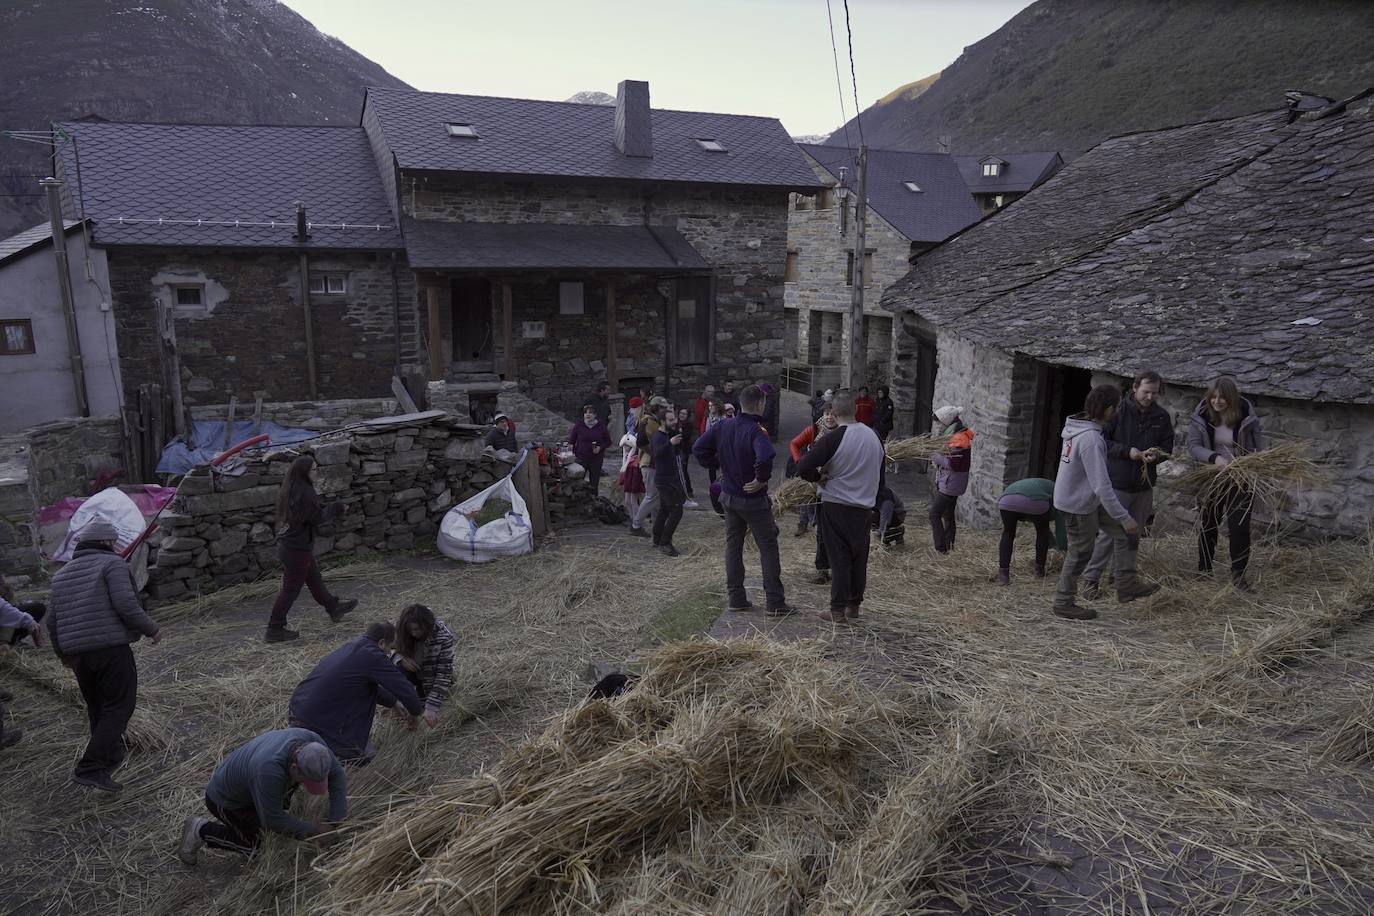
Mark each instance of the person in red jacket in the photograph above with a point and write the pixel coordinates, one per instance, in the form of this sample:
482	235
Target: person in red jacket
699	410
863	407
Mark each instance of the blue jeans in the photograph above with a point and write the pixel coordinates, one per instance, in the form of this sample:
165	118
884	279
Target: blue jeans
754	515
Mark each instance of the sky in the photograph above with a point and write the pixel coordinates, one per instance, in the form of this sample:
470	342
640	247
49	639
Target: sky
761	57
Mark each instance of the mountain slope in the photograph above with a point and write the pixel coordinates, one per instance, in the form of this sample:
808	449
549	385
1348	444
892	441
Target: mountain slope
1066	74
221	61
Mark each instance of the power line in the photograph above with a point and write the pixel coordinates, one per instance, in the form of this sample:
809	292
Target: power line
858	120
839	87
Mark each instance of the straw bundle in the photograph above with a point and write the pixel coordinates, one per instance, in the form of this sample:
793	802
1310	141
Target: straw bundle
1268	474
793	494
923	446
1353	738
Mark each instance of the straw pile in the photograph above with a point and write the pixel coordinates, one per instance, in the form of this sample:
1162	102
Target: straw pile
916	447
793	494
1352	739
1268	475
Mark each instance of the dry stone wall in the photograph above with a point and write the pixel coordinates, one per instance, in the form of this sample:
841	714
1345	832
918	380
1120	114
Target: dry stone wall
308	414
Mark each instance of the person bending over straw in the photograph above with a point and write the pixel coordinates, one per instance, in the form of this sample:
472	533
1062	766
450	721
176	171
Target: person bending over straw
338	698
951	478
251	791
1224	426
299	514
424	653
1083	493
1030	500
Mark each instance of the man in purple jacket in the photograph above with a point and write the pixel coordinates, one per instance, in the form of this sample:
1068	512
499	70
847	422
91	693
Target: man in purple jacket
740	449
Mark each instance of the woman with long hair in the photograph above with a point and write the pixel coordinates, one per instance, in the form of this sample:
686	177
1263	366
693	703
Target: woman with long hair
424	653
1223	426
299	514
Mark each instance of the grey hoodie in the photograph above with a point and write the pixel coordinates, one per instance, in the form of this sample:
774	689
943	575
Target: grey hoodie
1083	482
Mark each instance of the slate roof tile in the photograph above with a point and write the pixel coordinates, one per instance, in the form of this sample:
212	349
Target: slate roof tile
1019	173
21	243
442	245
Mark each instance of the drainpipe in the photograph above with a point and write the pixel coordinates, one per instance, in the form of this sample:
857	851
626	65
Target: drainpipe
396	313
64	284
302	236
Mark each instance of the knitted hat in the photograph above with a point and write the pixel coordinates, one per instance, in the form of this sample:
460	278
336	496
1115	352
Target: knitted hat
99	530
636	402
658	400
314	762
948	414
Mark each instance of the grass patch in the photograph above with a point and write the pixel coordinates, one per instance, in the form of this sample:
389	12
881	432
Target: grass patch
688	616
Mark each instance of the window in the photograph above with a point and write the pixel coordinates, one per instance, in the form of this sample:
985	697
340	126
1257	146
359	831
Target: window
16	337
570	301
711	145
328	284
189	299
849	268
992	169
790	272
998	200
802	202
691	321
912	186
461	130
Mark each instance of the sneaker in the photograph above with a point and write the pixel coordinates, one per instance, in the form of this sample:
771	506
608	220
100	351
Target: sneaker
12	737
101	781
190	839
280	634
742	609
834	616
1133	590
1241	585
691	504
781	610
638	533
1003	577
852	612
341	608
1092	590
821	577
1074	612
669	550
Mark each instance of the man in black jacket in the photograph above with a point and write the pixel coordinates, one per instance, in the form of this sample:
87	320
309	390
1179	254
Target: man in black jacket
601	403
1139	436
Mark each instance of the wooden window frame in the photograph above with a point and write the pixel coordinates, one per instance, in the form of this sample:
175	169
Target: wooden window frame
178	307
27	325
324	278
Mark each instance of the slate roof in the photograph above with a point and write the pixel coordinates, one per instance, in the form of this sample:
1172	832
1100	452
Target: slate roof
1020	172
217	174
529	137
21	243
1241	246
442	245
941	208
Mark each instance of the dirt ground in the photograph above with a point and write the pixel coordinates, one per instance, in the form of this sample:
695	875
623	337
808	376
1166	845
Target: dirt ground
1137	827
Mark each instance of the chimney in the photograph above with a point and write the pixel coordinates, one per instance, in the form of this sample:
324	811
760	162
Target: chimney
634	134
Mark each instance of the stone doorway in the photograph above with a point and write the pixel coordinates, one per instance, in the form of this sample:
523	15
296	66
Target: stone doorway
1059	394
473	332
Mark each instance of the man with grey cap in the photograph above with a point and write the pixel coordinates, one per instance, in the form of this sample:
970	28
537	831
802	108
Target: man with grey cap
251	792
95	615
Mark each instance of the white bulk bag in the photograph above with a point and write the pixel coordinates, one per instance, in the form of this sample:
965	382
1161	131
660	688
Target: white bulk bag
461	539
111	505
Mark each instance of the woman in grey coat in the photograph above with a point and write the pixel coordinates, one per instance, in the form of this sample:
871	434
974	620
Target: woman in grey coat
1223	426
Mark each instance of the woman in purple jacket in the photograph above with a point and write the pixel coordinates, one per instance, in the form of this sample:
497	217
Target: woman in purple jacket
1223	426
589	440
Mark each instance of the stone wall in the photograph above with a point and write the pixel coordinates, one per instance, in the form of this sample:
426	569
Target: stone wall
249	341
307	414
18	543
395	487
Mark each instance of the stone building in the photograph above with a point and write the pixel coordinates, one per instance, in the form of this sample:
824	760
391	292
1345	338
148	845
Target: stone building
1238	247
996	181
915	201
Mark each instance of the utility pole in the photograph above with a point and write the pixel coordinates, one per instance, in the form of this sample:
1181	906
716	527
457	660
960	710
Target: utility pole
64	285
858	362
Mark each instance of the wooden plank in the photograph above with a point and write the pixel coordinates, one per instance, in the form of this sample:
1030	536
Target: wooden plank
229	421
309	325
402	396
508	330
436	344
612	369
257	415
170	363
530	485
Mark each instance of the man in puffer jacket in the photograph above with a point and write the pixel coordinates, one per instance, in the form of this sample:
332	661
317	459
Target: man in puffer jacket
95	615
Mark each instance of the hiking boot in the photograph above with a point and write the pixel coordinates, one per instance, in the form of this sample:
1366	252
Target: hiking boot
781	610
638	533
669	550
802	528
1132	590
190	839
1039	570
101	781
1003	577
742	609
341	608
1241	585
821	577
12	737
852	612
834	615
280	634
1074	612
1092	590
691	504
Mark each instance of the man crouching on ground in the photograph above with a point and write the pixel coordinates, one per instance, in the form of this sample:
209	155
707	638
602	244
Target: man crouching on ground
252	788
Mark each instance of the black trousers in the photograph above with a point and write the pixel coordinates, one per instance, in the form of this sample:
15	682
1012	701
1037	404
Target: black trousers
942	520
36	610
593	467
669	514
1042	536
845	531
822	560
108	679
1234	507
237	829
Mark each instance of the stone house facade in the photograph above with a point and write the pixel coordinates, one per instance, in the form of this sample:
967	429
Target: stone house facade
1246	262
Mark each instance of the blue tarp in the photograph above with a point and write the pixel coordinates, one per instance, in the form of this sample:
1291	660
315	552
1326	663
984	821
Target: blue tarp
178	459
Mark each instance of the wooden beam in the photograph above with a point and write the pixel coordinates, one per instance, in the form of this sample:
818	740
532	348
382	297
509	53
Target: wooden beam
257	415
170	364
508	330
436	354
309	326
612	370
229	421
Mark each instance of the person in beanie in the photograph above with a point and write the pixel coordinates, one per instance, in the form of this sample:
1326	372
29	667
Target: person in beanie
95	616
740	449
1140	436
668	478
251	791
1030	500
1083	494
951	476
299	514
632	408
501	436
884	414
590	439
847	465
1223	426
338	698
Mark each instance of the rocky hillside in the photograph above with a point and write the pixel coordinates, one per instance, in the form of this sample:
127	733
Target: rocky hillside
220	61
1066	74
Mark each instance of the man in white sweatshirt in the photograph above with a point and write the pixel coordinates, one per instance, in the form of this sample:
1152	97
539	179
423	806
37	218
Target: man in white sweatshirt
1084	496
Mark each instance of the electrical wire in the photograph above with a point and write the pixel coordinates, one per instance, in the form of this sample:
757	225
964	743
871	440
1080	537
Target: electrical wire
839	88
858	119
